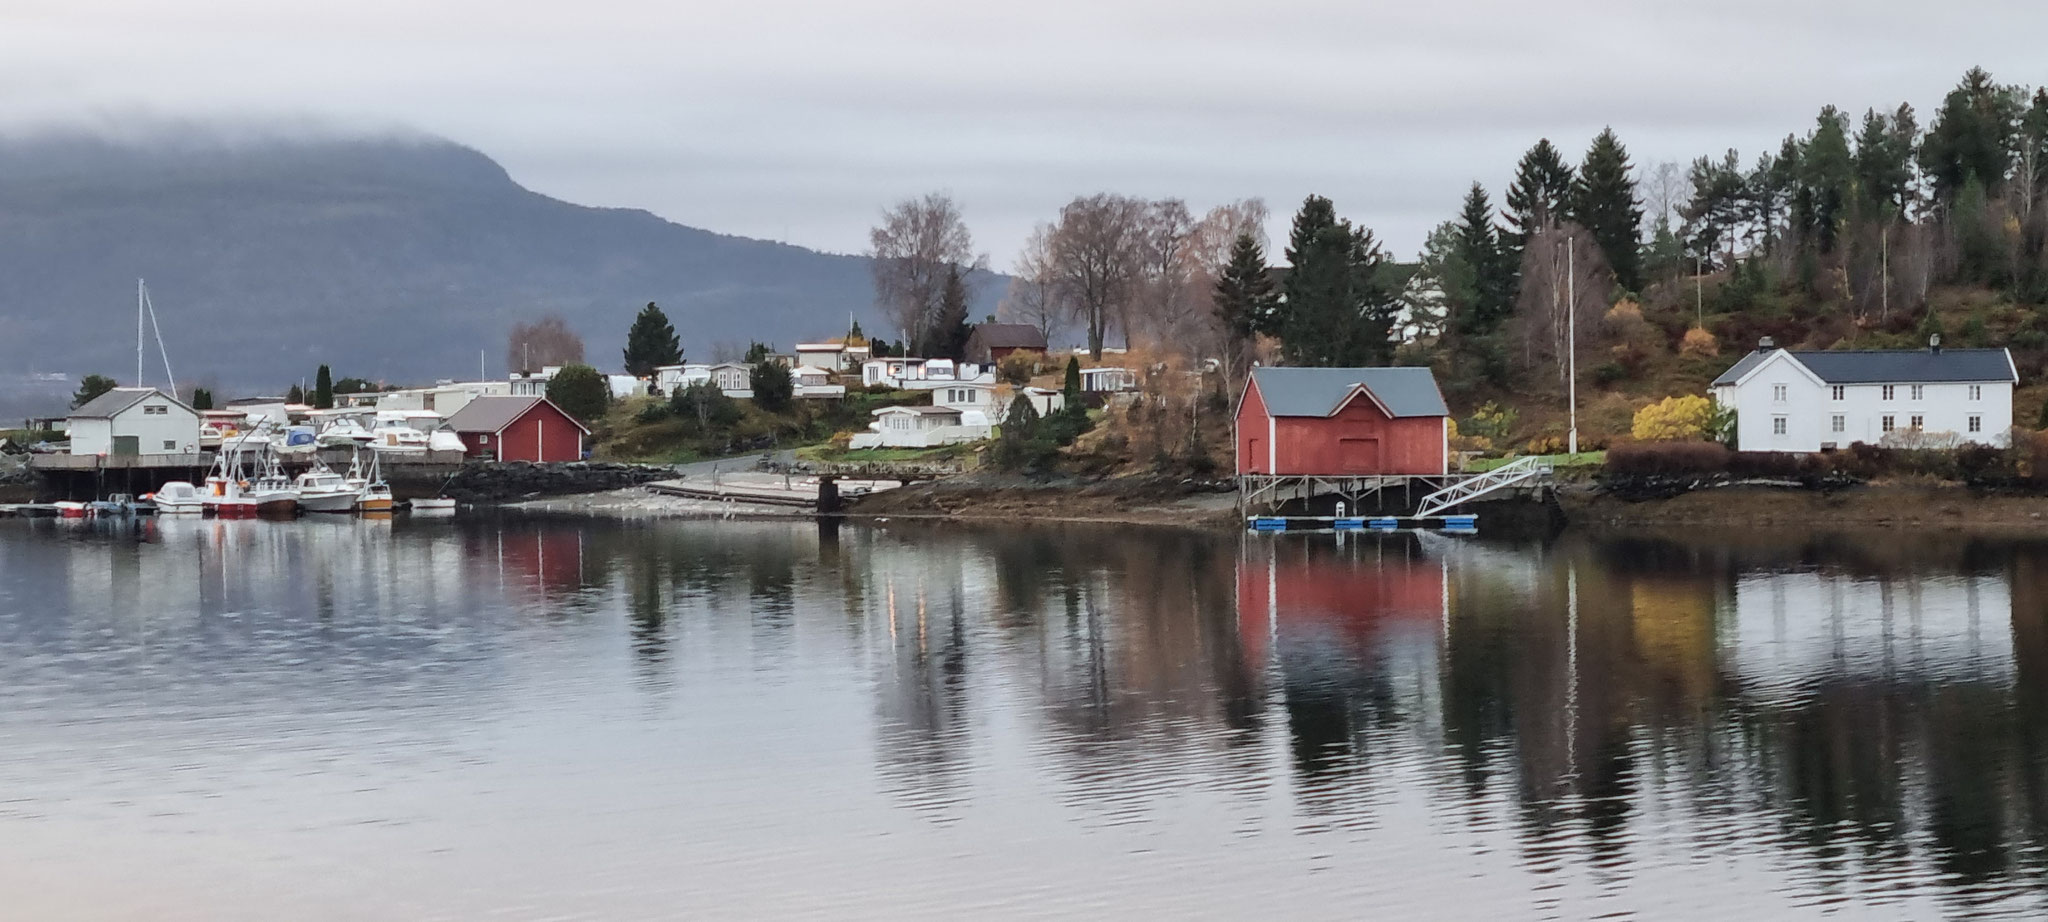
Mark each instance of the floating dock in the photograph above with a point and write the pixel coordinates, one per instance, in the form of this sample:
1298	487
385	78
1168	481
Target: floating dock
1455	524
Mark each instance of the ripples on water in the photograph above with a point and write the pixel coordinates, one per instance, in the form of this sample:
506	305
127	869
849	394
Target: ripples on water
539	719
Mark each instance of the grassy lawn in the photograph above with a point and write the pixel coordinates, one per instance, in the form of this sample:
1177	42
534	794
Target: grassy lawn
1582	459
827	453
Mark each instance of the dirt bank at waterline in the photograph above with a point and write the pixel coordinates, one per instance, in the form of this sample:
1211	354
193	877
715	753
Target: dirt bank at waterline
1923	504
1132	500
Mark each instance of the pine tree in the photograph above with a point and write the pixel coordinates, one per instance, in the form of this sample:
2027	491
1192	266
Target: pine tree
1485	257
1826	171
1884	156
1245	300
202	399
651	343
1539	196
90	388
323	389
1721	202
773	386
1972	137
296	394
1604	202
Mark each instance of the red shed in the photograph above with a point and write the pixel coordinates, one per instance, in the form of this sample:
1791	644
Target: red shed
1328	422
518	429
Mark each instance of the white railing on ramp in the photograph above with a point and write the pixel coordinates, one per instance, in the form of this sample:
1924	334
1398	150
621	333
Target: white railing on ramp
1500	478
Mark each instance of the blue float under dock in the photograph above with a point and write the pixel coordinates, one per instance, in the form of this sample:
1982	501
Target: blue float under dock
1462	524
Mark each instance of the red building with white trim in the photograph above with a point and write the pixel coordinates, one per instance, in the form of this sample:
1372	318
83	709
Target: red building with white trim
1332	422
518	429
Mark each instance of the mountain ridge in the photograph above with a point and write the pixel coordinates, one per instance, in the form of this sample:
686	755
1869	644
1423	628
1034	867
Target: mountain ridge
392	258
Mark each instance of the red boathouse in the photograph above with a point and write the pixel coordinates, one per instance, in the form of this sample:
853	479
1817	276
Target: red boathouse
518	429
1342	422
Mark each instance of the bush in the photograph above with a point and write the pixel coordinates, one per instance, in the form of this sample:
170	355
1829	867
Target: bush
1668	458
1698	343
1609	373
1017	368
1674	419
773	386
653	413
581	392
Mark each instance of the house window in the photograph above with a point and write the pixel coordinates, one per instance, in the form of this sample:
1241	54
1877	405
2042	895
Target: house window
1884	424
170	445
1889	392
1840	423
1840	392
155	411
1777	393
1919	392
1976	424
1919	422
483	440
1976	392
1777	425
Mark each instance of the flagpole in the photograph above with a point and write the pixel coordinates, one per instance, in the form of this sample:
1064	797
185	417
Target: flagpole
1572	334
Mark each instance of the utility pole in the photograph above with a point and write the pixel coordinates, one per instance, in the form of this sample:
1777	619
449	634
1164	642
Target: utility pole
1571	321
1884	274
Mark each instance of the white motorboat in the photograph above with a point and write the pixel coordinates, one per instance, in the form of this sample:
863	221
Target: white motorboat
178	498
399	440
346	433
296	440
323	490
440	505
272	490
445	440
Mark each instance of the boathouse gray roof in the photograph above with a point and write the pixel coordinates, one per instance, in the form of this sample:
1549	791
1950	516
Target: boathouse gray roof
113	402
1890	366
493	413
1320	391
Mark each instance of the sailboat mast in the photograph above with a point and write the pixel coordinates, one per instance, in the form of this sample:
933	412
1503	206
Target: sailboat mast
138	332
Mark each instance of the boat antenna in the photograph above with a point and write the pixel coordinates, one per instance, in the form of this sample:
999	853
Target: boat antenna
150	306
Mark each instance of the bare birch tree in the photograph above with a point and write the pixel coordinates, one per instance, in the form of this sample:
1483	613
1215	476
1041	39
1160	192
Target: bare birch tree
544	342
1098	252
913	248
1035	296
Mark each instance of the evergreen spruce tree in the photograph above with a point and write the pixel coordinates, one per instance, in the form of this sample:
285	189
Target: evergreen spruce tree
1604	202
1338	310
651	343
1885	151
1479	246
1071	393
947	338
90	388
1245	300
202	399
1971	137
1539	196
323	389
296	394
774	388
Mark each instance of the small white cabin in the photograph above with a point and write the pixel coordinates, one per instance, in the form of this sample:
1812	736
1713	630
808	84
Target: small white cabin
921	427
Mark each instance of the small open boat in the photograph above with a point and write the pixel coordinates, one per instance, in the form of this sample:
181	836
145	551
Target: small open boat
177	498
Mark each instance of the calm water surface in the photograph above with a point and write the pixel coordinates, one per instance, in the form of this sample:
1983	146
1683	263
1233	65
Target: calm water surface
525	719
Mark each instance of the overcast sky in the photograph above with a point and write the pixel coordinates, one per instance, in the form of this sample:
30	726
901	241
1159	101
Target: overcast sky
801	120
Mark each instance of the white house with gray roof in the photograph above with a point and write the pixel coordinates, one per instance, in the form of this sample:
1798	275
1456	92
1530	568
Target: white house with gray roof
1810	401
129	421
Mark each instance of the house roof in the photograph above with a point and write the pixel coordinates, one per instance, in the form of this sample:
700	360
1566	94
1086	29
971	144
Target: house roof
111	403
493	413
1322	391
1007	336
1889	366
920	411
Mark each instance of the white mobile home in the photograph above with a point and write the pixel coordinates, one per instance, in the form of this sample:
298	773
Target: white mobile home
1809	401
134	421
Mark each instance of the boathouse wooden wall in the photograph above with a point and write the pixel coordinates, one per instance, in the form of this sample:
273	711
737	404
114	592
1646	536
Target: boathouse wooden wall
542	433
1359	439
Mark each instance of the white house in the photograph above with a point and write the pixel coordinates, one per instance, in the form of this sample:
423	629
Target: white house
814	383
732	378
913	374
920	427
1108	380
975	401
1045	400
1809	401
134	421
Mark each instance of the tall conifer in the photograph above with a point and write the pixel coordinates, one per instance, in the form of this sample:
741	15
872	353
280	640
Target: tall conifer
1604	202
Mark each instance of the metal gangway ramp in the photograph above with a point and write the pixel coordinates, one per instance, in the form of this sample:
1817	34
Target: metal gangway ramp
1507	475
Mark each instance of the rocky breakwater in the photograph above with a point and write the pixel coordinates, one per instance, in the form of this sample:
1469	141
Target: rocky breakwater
512	481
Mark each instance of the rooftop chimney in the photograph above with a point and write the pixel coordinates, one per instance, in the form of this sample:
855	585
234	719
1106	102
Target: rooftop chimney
1934	343
1766	344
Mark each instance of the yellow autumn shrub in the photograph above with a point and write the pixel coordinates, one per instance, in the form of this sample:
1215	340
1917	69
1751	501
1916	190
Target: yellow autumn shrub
1673	419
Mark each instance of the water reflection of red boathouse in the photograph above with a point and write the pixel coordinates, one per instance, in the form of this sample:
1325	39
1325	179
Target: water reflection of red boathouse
1357	592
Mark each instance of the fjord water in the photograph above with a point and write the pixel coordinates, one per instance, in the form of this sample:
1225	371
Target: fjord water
521	718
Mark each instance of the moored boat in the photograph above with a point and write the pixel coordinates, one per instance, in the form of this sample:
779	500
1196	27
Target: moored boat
177	498
323	490
376	494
